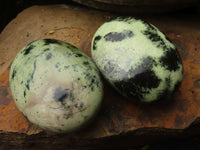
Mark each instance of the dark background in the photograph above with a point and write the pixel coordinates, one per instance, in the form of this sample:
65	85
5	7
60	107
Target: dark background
10	8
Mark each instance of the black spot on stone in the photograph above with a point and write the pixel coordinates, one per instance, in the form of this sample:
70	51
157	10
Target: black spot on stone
68	46
31	78
47	49
81	105
96	39
78	79
78	55
28	84
76	105
69	54
152	34
109	67
147	80
171	60
86	63
24	93
33	70
86	73
72	46
48	56
57	65
61	94
154	37
68	115
66	67
146	64
13	73
118	36
75	67
28	49
51	41
124	19
139	85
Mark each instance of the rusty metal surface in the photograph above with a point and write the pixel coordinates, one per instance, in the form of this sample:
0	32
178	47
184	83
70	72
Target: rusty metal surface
117	115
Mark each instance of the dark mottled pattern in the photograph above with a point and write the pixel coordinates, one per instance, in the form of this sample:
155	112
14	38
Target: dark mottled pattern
147	79
28	84
86	63
118	36
78	55
93	80
51	41
112	68
24	94
154	37
171	60
13	73
28	49
152	34
79	106
124	19
33	70
139	85
46	49
66	67
72	46
57	65
61	95
96	39
109	67
68	54
146	64
48	56
75	67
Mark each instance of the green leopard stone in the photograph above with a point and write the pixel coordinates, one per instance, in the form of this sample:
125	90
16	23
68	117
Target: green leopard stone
138	60
55	85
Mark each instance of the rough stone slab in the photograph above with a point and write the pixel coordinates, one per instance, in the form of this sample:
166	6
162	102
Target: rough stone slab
117	116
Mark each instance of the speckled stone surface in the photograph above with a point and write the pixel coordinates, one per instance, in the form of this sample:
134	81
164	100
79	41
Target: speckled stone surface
137	59
55	85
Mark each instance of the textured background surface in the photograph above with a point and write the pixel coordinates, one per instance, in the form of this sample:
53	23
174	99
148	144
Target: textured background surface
118	118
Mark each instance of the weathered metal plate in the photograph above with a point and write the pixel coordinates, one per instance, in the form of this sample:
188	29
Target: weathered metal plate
117	115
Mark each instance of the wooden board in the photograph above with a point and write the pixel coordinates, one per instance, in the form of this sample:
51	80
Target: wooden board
117	116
